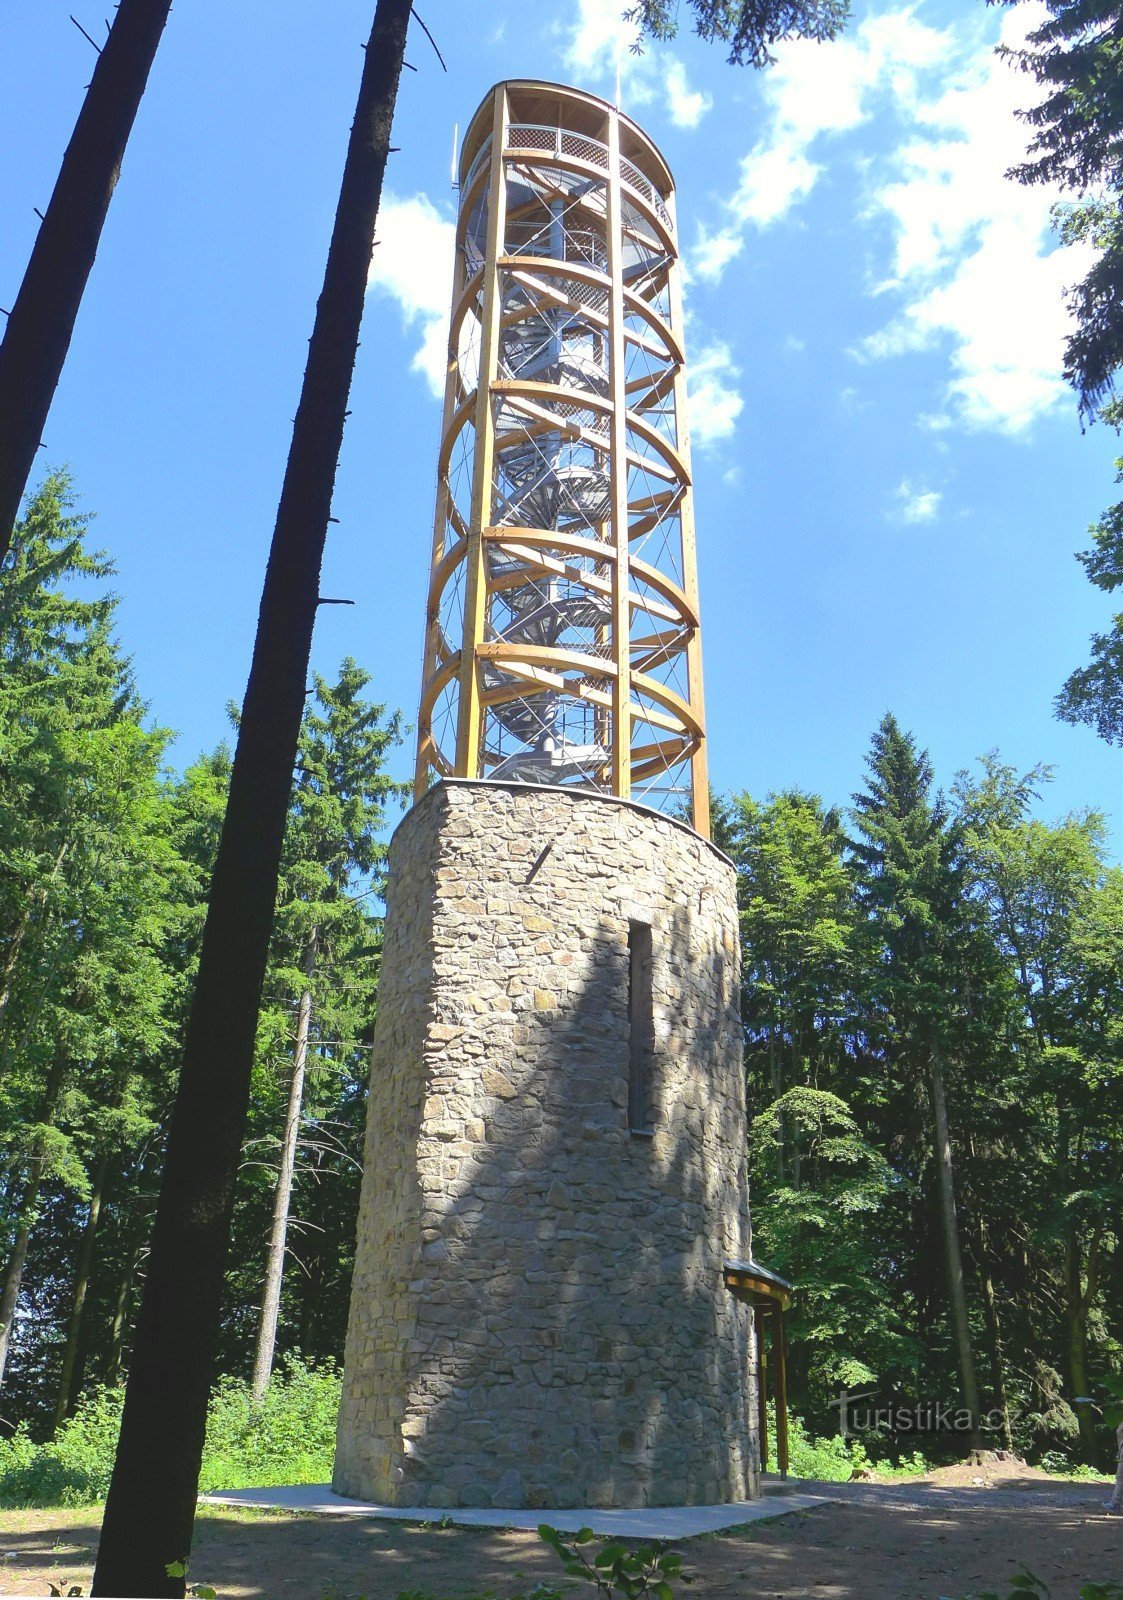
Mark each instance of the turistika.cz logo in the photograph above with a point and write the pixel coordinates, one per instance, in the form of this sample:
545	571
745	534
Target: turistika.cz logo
859	1417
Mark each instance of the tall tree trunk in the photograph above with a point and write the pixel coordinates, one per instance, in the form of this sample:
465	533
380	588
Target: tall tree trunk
994	1329
953	1257
120	1316
65	1400
1076	1345
314	1265
150	1511
993	1319
282	1197
25	1213
42	319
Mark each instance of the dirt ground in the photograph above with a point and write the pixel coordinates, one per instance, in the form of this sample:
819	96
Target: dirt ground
920	1540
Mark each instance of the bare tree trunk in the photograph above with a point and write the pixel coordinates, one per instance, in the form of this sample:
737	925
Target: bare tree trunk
282	1197
65	1400
42	319
120	1317
953	1258
150	1512
13	1272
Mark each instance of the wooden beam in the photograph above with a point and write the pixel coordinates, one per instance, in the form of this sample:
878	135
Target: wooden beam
761	1385
699	777
427	753
618	469
780	1360
469	731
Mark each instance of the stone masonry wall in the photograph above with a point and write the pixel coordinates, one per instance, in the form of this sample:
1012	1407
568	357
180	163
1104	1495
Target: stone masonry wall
538	1316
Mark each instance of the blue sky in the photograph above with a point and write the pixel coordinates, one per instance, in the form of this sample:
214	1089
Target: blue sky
891	480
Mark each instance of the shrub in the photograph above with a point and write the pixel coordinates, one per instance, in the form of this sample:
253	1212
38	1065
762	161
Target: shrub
831	1459
290	1439
73	1468
1027	1586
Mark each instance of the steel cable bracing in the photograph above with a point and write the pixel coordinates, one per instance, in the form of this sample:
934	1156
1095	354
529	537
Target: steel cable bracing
562	641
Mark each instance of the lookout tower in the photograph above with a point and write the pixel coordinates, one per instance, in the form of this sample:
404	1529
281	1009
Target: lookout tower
555	1178
562	643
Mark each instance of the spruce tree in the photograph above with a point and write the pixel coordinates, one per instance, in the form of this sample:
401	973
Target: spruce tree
909	893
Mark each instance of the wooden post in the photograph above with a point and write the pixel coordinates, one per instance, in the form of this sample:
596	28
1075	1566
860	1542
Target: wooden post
470	712
761	1385
780	1352
618	469
699	778
431	662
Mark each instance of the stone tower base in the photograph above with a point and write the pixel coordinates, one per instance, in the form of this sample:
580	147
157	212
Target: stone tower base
555	1166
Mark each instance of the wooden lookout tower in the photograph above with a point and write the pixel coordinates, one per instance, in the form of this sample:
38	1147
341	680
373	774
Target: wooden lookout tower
563	642
556	1180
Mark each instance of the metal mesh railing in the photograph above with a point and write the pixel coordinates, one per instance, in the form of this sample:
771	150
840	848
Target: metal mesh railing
559	141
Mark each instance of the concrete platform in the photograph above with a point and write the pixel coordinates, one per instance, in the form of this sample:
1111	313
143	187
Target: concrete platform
646	1522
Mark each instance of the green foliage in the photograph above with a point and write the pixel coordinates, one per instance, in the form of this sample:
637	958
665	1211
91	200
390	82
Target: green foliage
614	1569
751	28
830	1459
1025	1585
74	1468
201	1591
290	1439
1077	130
105	864
1094	694
1078	135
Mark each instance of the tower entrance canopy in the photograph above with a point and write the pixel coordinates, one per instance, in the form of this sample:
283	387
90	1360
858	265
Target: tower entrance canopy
562	644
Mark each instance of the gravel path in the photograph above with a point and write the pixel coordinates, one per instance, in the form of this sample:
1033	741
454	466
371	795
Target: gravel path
868	1541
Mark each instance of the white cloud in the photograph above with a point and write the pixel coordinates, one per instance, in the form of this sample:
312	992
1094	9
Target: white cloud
715	400
975	269
687	106
773	179
412	264
974	256
915	504
599	48
814	90
714	251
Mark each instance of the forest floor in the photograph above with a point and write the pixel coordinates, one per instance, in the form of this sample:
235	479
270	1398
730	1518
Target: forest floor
920	1539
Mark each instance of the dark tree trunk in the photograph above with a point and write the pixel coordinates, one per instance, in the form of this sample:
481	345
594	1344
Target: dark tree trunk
1076	1304
953	1256
998	1353
42	319
282	1195
150	1512
25	1213
64	1403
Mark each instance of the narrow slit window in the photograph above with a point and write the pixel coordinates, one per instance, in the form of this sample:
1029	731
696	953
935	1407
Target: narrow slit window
641	1028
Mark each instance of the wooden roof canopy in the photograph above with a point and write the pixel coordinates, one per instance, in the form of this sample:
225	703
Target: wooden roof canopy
757	1285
